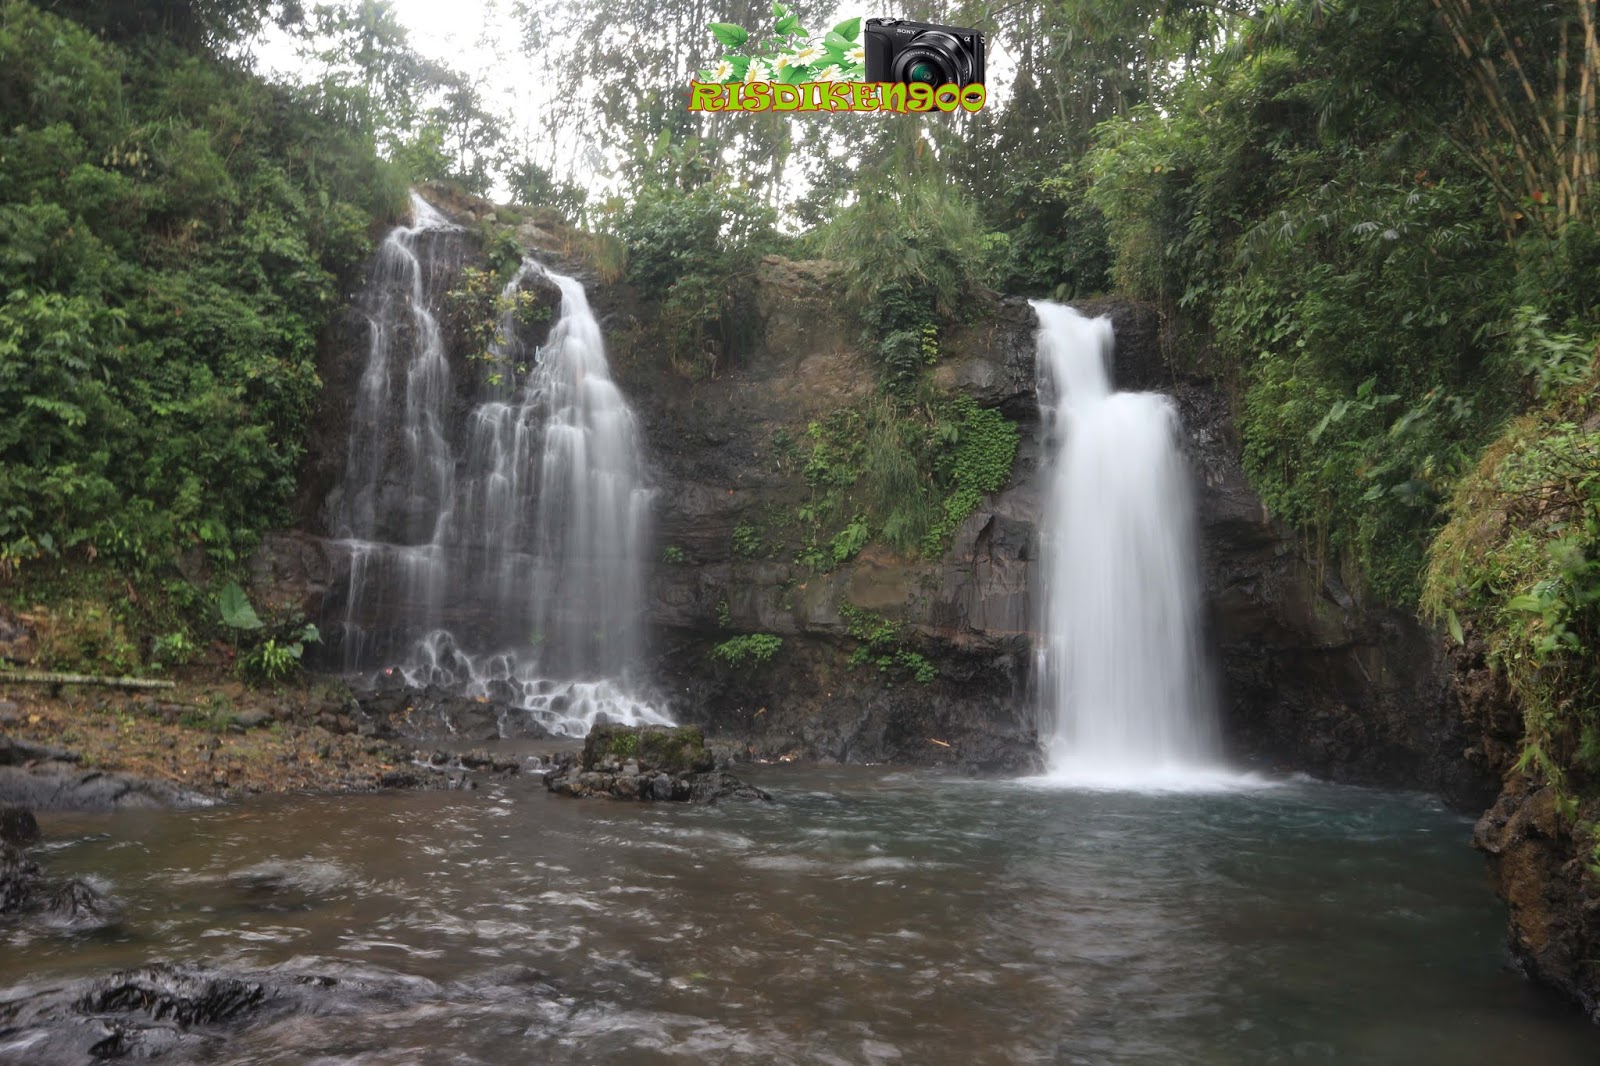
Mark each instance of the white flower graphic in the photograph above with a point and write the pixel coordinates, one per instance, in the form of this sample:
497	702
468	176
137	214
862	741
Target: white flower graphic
721	72
857	55
758	72
831	72
804	57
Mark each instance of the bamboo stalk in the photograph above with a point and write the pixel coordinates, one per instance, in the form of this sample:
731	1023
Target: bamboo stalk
1588	153
1486	74
1561	103
29	677
1554	146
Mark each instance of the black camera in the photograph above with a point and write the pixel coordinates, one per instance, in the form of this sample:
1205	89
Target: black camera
902	50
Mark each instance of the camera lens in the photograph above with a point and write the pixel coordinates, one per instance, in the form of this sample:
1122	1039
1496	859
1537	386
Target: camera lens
934	58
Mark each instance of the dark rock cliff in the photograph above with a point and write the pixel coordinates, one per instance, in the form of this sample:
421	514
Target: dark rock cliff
1308	677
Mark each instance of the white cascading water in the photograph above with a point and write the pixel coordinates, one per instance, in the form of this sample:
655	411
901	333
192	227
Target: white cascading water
1123	697
497	541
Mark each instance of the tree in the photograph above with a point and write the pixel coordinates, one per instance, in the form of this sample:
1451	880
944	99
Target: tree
195	25
1531	69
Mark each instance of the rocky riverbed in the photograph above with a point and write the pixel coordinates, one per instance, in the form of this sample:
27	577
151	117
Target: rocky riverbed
90	749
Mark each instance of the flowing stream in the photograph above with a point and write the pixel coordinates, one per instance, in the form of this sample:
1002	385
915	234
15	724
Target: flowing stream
1122	687
497	529
868	916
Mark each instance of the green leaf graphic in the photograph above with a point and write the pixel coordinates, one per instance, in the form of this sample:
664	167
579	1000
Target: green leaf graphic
849	29
730	35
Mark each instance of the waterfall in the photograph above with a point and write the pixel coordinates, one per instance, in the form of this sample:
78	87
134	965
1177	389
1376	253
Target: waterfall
1122	692
497	531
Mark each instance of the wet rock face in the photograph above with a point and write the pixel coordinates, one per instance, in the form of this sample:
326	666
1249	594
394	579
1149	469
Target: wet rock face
40	778
19	879
1553	906
394	709
1309	677
188	1013
18	827
649	763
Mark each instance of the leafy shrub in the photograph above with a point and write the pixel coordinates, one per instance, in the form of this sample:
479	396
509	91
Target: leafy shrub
910	474
172	649
880	646
754	648
1518	565
276	652
747	542
86	636
270	662
693	250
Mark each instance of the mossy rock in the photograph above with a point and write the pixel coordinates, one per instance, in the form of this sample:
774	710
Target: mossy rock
656	748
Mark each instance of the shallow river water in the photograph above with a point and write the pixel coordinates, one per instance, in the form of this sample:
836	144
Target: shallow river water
868	916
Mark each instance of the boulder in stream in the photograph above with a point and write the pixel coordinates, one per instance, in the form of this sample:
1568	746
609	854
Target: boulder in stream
25	892
650	763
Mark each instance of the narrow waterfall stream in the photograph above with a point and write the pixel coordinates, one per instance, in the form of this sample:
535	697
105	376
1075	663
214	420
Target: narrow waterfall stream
1123	694
497	532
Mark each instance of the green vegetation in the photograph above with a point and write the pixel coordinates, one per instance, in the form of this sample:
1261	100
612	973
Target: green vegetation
881	646
273	653
753	648
908	473
675	749
1518	566
480	307
172	238
692	239
747	543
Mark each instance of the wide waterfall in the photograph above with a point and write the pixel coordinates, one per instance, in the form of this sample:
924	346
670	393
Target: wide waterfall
497	529
1122	692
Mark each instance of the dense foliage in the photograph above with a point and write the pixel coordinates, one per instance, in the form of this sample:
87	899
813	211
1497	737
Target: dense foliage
1518	568
171	237
1379	221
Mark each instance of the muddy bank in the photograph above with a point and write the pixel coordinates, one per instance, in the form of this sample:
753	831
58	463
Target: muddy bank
92	749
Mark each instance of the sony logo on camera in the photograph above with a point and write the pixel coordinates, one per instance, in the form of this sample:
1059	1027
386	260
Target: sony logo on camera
899	50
